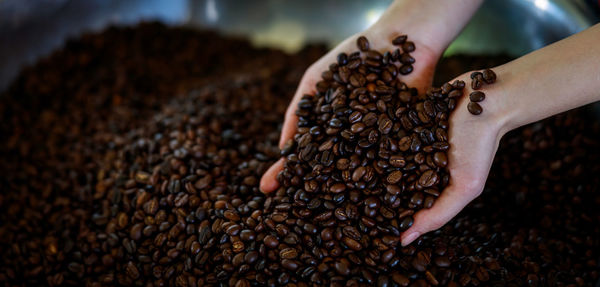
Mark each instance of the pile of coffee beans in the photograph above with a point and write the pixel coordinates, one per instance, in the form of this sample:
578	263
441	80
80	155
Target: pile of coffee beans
477	79
133	156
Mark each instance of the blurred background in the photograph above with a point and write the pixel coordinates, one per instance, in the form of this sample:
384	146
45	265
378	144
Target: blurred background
31	29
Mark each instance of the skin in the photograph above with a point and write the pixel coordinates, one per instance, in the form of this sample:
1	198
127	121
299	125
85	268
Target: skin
556	78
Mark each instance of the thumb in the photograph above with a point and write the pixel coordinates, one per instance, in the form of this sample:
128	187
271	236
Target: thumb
452	200
268	182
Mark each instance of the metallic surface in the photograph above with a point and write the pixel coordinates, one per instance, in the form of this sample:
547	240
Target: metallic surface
30	29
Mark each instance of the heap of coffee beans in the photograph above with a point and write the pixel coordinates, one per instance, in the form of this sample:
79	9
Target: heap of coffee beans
477	79
133	157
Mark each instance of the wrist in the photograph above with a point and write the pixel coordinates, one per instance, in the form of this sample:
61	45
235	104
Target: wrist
498	116
432	25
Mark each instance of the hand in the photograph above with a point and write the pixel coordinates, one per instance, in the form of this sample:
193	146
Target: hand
403	17
473	143
420	78
543	83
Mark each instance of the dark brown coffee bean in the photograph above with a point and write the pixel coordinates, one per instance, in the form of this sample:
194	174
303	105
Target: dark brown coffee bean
394	177
474	108
406	69
428	178
398	41
408	47
406	223
407	59
352	244
455	94
288	253
475	75
476	83
385	125
271	241
337	188
289	264
440	159
476	96
489	76
362	43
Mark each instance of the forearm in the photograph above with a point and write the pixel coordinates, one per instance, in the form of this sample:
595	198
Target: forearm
557	78
433	23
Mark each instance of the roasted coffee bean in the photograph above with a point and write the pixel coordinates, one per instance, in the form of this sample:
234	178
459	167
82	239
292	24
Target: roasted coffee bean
489	76
475	75
474	108
271	241
406	69
394	177
408	47
362	43
476	96
477	82
398	41
440	159
406	223
428	178
342	59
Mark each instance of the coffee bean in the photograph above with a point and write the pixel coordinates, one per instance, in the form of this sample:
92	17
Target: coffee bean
474	108
406	223
289	264
408	47
341	266
271	241
398	41
476	83
362	43
337	188
406	69
440	159
489	76
476	96
428	178
394	177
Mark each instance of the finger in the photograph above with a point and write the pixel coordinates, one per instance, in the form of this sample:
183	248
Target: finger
291	120
423	69
448	205
268	182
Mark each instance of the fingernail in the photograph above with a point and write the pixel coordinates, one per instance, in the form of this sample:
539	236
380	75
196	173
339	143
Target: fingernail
410	238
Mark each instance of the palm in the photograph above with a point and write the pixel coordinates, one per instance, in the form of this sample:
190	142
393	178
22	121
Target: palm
473	144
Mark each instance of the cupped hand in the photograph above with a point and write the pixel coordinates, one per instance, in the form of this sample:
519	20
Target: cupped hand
473	143
380	39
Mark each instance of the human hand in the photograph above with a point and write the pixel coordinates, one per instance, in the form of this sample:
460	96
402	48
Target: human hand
546	82
473	143
430	25
402	18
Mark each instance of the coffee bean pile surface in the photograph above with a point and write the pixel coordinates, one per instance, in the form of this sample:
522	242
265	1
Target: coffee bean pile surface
133	156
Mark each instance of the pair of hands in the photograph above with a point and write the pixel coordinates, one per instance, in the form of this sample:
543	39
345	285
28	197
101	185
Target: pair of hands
473	139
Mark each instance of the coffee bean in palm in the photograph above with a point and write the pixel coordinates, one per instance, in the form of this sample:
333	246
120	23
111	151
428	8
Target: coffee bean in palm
362	43
476	84
489	76
408	47
398	41
342	59
474	108
476	96
406	69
